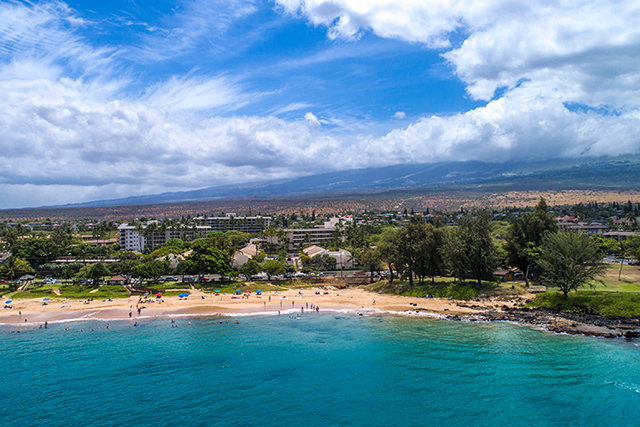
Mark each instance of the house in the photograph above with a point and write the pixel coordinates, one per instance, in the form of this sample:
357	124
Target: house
245	254
508	275
343	258
314	250
116	280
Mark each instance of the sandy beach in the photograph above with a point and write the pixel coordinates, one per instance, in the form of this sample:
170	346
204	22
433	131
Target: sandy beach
199	303
30	312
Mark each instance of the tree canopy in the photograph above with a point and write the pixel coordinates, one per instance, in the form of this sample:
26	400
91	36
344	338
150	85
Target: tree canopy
524	238
569	261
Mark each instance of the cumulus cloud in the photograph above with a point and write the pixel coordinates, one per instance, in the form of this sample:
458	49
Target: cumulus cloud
579	51
57	134
413	20
65	123
528	60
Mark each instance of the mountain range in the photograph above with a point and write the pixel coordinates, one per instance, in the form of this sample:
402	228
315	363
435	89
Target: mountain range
558	174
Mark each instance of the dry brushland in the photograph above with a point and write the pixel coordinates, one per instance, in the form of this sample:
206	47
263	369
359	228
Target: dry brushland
445	200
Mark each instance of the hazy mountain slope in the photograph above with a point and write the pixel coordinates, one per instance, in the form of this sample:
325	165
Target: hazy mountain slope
555	174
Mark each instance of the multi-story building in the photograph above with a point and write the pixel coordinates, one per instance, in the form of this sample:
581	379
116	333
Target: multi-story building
244	224
133	239
298	238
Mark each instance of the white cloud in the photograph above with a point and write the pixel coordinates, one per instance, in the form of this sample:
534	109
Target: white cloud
507	129
312	120
67	128
192	23
40	42
57	134
578	50
412	20
196	93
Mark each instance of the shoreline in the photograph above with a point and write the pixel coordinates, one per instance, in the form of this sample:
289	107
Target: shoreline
352	300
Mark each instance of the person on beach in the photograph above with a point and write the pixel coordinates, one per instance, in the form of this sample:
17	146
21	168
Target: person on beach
45	324
129	314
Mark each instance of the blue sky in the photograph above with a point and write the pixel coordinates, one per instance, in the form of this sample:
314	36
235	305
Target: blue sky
119	98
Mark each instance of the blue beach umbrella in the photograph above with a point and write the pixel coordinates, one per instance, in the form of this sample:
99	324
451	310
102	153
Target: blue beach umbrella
217	290
9	302
238	290
46	299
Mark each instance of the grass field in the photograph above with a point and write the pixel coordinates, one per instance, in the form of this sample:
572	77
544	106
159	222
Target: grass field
602	303
609	282
72	292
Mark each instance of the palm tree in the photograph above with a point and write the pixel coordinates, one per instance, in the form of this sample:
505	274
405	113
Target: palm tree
14	268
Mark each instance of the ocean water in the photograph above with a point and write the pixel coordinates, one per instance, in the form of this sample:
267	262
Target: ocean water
327	369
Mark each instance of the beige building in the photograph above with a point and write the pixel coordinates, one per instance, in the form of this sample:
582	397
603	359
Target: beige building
343	257
244	255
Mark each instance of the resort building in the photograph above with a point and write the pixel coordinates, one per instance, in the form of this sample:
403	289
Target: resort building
298	238
134	238
244	224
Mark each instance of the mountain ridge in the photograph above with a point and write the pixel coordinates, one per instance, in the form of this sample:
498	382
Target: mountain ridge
610	171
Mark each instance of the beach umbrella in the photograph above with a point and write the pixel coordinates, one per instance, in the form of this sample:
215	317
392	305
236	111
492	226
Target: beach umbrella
238	290
46	299
217	290
9	302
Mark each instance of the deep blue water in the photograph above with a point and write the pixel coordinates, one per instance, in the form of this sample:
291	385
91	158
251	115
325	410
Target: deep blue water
320	370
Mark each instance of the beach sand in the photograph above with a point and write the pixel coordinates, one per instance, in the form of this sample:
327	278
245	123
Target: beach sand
288	301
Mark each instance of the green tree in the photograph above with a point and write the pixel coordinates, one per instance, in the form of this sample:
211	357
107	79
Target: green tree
273	268
469	250
323	262
36	250
569	261
67	274
13	268
454	253
250	268
429	261
372	261
151	270
209	259
388	247
524	237
97	271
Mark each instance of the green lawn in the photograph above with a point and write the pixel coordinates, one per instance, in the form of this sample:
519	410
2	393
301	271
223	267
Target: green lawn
602	303
73	292
609	282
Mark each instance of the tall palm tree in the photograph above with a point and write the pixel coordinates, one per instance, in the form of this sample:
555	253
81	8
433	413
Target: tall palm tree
15	267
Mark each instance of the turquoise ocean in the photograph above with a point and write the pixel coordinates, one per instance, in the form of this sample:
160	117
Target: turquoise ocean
327	369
